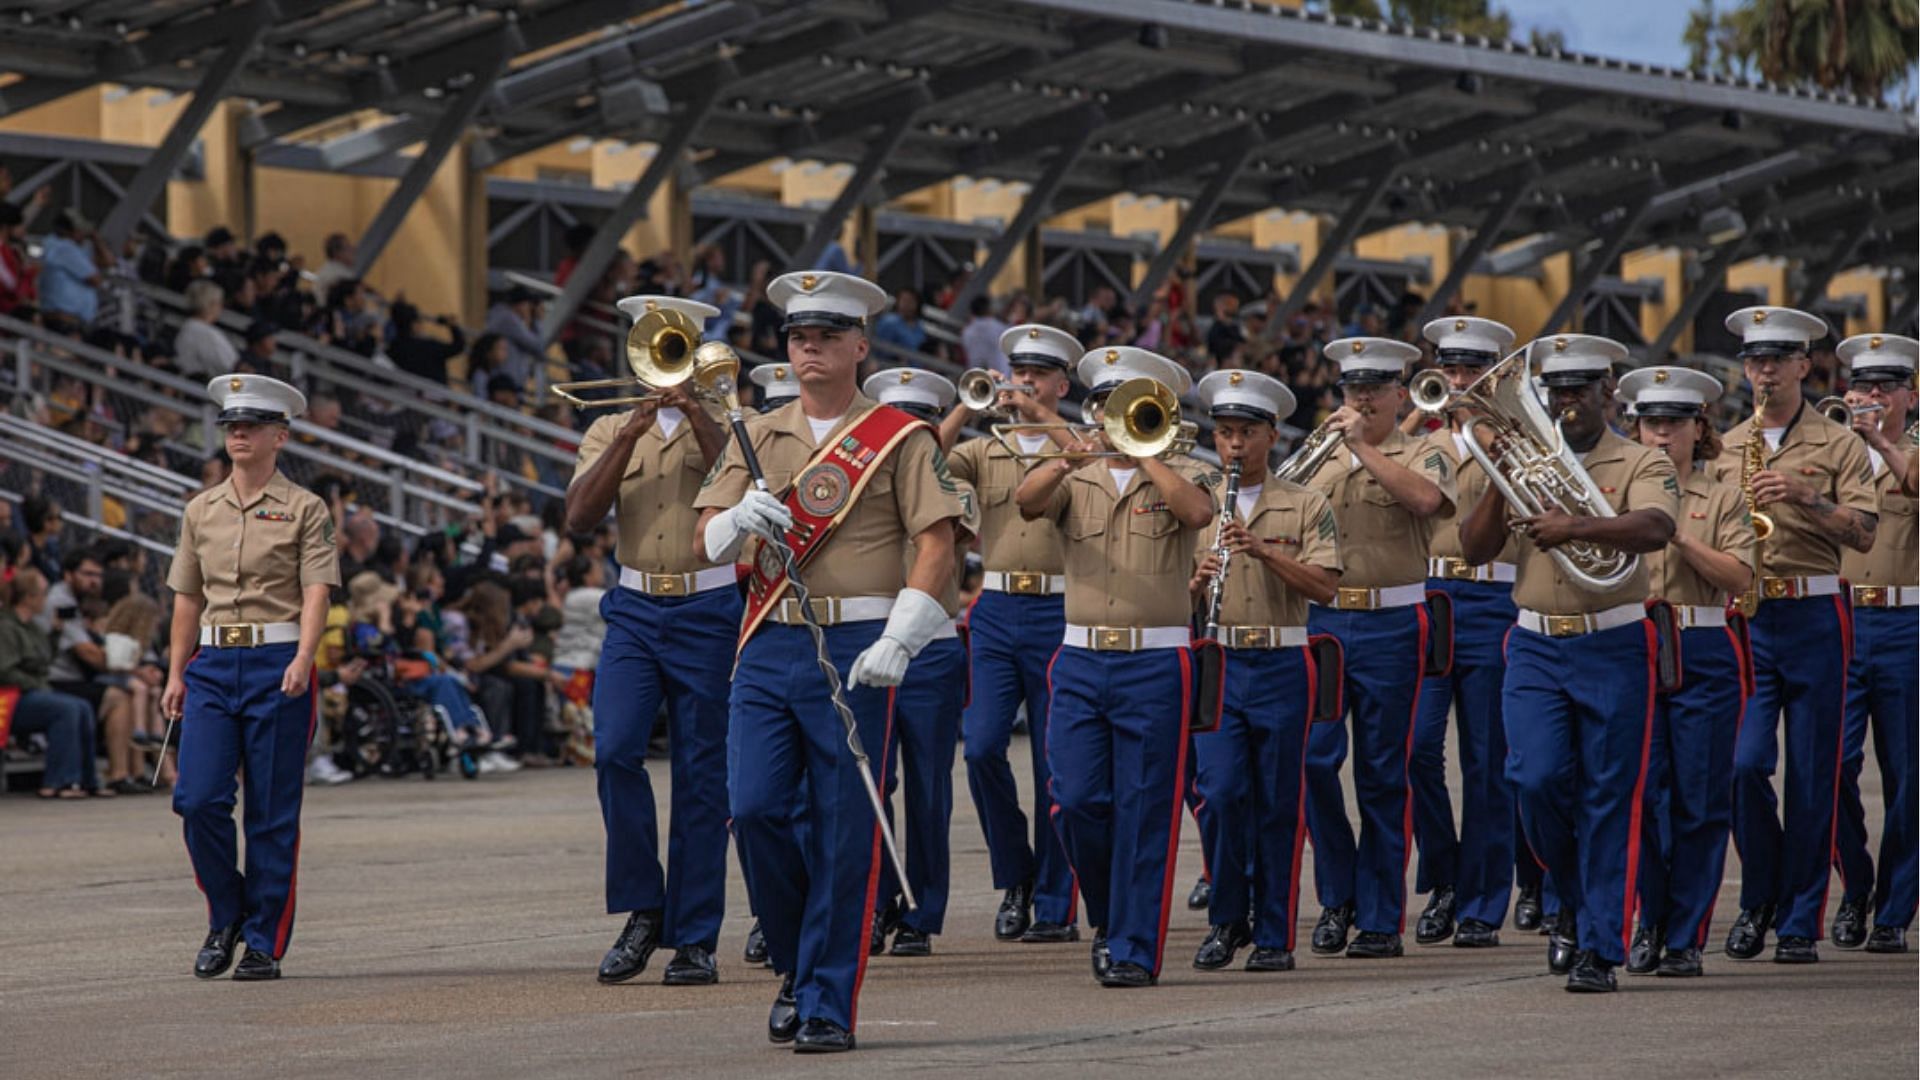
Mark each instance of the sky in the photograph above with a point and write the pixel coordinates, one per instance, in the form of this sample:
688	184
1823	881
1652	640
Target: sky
1644	30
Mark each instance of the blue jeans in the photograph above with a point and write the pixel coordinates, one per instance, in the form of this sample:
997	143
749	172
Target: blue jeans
69	726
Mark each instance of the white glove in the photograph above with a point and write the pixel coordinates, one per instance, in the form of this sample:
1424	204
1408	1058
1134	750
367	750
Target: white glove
915	619
757	513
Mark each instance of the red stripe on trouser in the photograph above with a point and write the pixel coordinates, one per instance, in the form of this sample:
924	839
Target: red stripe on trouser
1179	800
285	929
1739	718
1843	606
1300	811
1406	760
1628	902
873	871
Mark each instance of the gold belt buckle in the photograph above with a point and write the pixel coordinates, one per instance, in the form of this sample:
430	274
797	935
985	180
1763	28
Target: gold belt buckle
1566	625
1024	584
1777	588
1869	596
1458	570
666	584
1354	600
236	635
1115	638
1253	637
824	611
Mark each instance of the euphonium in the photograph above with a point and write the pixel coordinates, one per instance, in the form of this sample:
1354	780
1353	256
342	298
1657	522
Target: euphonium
1527	460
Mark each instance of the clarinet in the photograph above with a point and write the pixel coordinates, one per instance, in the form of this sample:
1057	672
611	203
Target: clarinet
1217	590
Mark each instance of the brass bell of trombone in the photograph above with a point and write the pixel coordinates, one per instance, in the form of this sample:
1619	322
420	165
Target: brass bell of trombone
663	350
1142	418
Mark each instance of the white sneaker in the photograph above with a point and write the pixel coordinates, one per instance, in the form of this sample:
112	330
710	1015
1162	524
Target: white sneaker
495	761
325	770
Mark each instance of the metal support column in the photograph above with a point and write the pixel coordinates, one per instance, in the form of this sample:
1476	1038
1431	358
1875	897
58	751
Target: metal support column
1026	224
151	180
1596	265
1820	276
1902	316
1352	220
826	227
1698	293
1199	214
1485	235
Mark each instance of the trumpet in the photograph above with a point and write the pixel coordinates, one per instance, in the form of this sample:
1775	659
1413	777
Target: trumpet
1142	420
1430	392
663	349
1313	450
1836	409
980	391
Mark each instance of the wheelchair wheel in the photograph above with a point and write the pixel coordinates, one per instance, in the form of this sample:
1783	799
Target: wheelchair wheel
469	765
370	729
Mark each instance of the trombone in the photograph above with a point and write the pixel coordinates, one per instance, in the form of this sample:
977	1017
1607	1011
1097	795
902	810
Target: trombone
663	349
1142	420
980	391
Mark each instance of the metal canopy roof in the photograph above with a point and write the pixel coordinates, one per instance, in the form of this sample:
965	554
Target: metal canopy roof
1235	106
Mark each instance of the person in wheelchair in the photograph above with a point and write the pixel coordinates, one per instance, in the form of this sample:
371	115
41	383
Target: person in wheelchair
370	634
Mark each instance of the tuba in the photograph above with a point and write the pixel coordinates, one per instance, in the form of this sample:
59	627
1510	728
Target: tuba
1527	459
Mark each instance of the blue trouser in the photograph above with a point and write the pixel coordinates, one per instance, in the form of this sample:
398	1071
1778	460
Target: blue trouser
1478	861
1688	816
926	710
450	695
1386	651
1196	803
1251	782
1579	718
1012	638
1880	685
676	650
813	887
1800	651
237	721
69	723
1117	741
1527	871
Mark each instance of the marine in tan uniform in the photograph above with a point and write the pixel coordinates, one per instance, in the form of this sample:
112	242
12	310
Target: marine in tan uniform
1688	813
251	578
1816	485
670	629
1117	732
837	456
1014	629
1886	656
1388	489
1282	547
1579	698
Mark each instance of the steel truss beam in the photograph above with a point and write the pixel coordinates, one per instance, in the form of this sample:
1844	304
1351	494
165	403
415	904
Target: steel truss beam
1345	229
1200	213
1617	237
861	184
1038	205
1698	293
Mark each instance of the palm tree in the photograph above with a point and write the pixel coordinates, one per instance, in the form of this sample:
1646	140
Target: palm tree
1861	46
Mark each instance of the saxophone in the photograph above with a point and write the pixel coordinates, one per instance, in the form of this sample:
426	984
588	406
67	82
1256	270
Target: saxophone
1753	459
1217	589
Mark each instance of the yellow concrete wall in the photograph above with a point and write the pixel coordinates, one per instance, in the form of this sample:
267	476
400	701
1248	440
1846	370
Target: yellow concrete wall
1870	283
1669	265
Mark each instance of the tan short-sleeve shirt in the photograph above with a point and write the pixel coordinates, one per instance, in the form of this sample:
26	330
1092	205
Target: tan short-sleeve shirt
1714	514
654	505
909	491
1823	455
252	561
1298	522
1630	477
1470	485
1128	558
1008	542
1895	558
1382	543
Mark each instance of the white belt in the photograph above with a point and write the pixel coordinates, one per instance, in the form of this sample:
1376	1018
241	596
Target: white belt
713	577
1374	599
1462	570
1572	625
1886	596
1795	588
1127	638
1263	637
248	635
834	610
1691	616
1024	582
946	631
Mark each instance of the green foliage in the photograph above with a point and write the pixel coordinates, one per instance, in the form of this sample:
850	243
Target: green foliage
1864	47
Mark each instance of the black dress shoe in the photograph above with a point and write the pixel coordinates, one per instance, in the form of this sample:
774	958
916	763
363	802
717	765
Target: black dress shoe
822	1037
1436	923
1375	945
783	1022
1330	933
1644	957
1590	975
911	942
1223	941
1270	960
1016	913
692	965
1796	950
1850	924
884	921
1681	965
632	948
1050	933
1125	976
1201	896
756	952
1102	957
216	956
1748	937
1563	941
1526	910
256	967
1474	934
1887	939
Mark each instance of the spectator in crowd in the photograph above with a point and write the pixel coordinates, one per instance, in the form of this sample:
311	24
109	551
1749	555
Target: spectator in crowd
1225	335
263	347
66	721
201	350
18	274
980	341
223	250
41	518
271	246
359	540
494	646
902	326
133	668
516	318
351	322
188	266
710	286
338	266
487	358
70	277
419	355
82	576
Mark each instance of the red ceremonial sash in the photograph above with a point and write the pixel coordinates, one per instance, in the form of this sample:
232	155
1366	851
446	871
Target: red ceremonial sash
820	499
